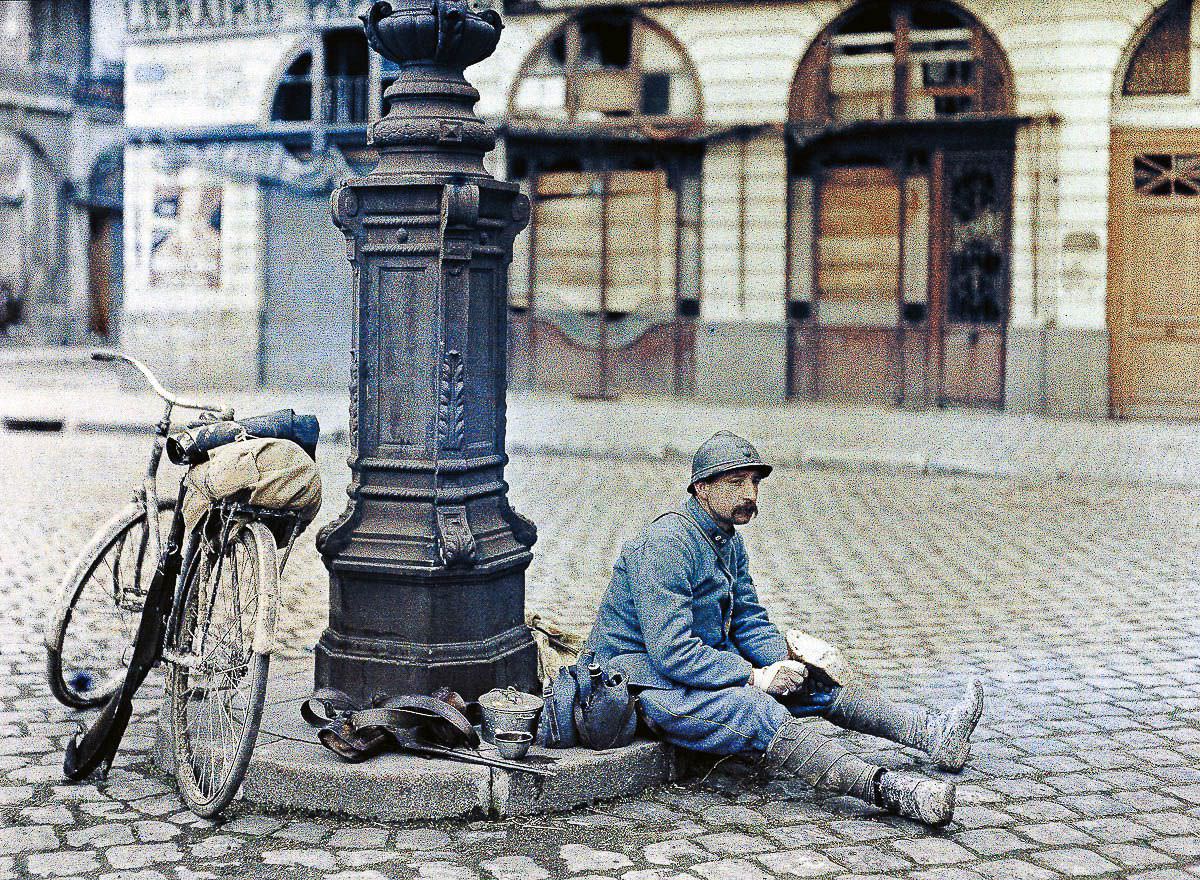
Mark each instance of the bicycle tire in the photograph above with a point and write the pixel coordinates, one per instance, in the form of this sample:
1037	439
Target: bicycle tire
73	611
205	793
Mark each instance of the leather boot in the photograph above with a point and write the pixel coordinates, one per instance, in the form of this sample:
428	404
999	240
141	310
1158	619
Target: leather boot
800	749
917	797
944	736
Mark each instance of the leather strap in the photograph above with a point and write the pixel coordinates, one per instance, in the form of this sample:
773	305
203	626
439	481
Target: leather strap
436	718
720	559
358	734
324	706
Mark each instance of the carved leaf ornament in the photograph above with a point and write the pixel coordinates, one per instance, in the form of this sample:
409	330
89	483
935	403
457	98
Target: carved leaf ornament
451	408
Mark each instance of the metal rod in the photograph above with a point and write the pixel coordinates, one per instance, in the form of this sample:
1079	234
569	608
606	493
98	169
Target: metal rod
105	356
467	757
604	195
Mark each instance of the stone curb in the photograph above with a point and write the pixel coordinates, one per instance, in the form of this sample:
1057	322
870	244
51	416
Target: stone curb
290	770
783	453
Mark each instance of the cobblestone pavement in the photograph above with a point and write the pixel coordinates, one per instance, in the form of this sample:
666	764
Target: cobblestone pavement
1076	603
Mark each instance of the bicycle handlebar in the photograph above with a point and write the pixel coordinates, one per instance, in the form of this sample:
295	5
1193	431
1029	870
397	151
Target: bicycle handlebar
225	411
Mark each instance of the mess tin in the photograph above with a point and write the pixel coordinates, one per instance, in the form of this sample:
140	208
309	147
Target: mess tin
508	709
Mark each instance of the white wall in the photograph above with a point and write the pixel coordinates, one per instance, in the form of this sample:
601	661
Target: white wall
197	333
189	84
744	275
108	32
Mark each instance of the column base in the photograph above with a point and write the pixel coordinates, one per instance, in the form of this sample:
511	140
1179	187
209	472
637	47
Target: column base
741	362
363	667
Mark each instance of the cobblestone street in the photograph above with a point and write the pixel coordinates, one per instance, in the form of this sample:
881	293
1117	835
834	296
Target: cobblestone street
1078	604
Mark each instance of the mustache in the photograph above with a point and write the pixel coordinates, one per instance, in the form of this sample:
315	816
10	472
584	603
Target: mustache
749	507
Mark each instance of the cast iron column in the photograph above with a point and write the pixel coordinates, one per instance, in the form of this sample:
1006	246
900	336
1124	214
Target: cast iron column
427	563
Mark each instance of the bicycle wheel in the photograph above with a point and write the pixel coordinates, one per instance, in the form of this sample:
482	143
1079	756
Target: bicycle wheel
89	638
216	682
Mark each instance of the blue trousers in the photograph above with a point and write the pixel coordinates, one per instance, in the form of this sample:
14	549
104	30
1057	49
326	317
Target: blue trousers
727	720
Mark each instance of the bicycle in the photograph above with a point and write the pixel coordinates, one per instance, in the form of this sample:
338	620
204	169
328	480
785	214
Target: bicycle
94	619
208	611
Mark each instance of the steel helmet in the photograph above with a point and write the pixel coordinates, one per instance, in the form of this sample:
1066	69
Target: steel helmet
724	451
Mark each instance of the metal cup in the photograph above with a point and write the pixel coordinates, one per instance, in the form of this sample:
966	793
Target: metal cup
513	744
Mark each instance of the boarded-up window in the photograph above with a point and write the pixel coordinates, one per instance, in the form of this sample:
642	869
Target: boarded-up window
858	249
1161	65
921	60
607	65
641	243
569	219
860	252
605	242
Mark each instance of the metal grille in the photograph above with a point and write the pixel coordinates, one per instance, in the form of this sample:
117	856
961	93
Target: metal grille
976	282
1167	174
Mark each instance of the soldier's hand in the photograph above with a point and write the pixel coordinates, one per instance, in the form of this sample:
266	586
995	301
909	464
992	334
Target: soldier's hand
782	679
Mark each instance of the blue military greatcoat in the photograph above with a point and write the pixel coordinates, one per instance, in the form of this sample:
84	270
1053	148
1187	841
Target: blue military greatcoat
682	619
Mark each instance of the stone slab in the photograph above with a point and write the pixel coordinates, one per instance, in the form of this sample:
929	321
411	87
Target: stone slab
290	770
741	362
1077	372
584	777
310	778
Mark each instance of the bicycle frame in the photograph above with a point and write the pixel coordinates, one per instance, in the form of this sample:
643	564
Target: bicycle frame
147	495
166	597
98	746
229	513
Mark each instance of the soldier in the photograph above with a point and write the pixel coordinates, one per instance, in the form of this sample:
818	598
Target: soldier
682	619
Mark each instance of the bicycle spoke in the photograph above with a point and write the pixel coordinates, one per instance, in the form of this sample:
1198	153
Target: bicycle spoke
95	633
216	683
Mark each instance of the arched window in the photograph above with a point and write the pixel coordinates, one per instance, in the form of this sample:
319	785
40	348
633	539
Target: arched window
293	97
346	81
607	65
1161	64
924	60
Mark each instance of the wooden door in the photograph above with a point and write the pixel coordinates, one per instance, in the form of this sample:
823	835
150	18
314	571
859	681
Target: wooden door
973	276
1154	273
858	285
104	272
603	281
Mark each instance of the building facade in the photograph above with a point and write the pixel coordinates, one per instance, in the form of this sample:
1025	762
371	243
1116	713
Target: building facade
61	148
910	203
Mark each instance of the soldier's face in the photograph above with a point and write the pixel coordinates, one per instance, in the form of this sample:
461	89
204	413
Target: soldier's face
732	497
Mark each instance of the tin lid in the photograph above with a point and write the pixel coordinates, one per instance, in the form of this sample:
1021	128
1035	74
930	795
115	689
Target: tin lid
510	699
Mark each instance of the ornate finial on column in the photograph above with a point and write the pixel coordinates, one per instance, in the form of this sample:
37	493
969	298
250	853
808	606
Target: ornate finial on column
431	104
